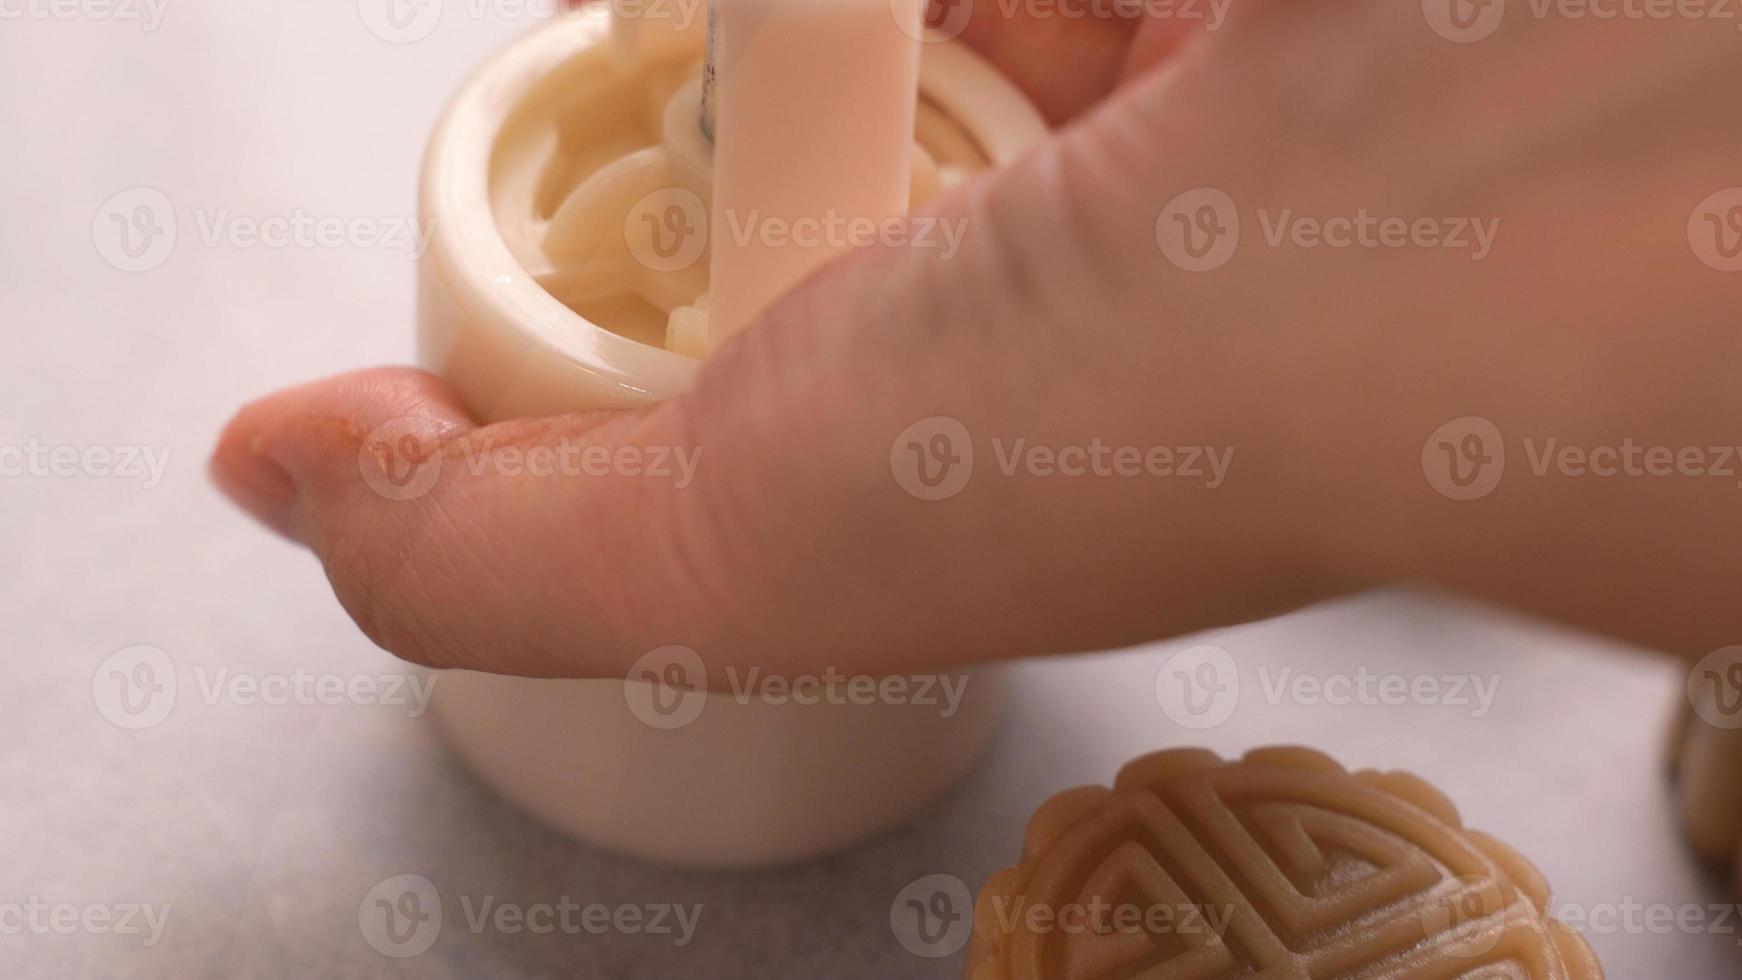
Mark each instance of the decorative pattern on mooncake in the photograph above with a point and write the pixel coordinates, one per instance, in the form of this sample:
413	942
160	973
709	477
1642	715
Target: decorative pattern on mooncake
1281	865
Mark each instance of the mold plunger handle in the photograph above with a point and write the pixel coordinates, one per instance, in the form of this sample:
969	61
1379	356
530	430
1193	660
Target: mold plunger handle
710	74
813	125
640	37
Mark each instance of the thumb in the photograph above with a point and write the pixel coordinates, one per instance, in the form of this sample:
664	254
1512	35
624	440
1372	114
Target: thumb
870	490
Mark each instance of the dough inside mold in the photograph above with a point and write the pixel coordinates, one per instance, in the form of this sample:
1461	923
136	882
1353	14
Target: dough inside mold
601	183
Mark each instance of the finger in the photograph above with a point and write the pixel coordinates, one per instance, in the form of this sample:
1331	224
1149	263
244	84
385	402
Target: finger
1065	64
1159	38
272	460
1035	335
808	536
801	542
1069	56
441	538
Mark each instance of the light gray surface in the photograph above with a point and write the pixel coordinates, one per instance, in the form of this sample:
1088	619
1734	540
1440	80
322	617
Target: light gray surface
264	827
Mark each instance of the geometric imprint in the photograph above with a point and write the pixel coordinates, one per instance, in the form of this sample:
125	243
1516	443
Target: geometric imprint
1281	865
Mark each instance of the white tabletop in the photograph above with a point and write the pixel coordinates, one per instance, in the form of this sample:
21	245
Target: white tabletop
263	827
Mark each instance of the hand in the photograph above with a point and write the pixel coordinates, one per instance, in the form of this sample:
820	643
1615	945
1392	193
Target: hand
1064	323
